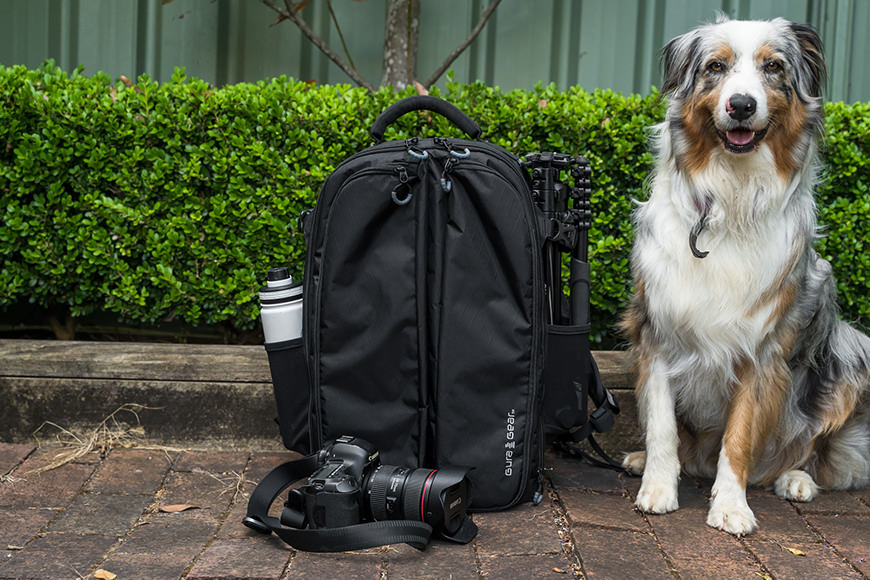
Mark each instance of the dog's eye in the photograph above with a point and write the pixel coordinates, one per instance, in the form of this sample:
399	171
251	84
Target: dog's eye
716	66
772	67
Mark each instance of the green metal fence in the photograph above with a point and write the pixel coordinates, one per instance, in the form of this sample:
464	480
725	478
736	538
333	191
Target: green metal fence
594	43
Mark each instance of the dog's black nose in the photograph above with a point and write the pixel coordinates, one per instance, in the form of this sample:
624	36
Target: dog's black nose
740	107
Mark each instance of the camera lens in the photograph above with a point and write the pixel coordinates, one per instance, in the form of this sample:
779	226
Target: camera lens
385	488
438	497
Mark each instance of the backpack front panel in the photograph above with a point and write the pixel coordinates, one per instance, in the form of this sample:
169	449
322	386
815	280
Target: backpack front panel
490	335
366	321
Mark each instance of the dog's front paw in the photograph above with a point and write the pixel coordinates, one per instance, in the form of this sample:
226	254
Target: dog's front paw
796	485
635	462
657	496
732	516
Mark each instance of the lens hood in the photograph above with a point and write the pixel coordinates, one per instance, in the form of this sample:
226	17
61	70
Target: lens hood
444	499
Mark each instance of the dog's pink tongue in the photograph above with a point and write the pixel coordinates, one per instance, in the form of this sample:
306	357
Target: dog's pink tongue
741	136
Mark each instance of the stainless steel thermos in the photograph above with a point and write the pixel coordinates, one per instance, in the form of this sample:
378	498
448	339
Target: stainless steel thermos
281	306
281	313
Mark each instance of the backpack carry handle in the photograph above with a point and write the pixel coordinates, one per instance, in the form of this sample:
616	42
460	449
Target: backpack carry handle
423	103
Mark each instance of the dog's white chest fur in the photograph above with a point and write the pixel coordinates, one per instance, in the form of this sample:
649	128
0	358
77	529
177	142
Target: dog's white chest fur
716	299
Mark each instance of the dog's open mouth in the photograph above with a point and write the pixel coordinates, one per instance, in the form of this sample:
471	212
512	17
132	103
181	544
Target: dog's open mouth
741	139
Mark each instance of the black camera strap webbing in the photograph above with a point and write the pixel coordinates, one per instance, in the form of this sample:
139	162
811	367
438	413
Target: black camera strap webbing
356	537
276	481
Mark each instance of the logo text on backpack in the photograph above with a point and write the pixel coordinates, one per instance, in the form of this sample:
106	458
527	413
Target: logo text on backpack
510	444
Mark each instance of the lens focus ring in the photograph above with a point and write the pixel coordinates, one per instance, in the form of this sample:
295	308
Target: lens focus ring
380	480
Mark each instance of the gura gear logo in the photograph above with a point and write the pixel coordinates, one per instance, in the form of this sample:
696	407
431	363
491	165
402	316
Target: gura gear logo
510	443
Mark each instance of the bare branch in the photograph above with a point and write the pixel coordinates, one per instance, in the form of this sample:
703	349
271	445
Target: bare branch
289	12
459	49
340	34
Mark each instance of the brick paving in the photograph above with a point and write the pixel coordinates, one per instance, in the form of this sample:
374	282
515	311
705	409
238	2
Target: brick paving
102	513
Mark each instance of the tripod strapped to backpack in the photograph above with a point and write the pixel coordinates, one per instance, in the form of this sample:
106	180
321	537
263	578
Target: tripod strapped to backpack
567	231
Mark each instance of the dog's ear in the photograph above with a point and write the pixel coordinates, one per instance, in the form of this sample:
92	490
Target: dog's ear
681	60
812	72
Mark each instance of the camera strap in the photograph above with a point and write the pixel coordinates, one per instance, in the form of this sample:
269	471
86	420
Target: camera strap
355	537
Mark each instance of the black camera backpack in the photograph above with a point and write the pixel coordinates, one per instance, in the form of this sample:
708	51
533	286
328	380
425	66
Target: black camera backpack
435	325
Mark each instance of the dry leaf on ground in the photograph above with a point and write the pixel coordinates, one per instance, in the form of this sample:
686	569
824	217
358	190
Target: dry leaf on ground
177	507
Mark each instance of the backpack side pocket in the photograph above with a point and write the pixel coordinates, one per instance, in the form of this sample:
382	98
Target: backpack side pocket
292	394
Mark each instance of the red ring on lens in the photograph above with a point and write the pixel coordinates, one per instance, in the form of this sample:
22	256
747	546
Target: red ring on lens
425	491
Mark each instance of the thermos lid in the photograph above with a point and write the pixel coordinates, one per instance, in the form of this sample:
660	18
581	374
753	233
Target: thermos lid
281	273
280	286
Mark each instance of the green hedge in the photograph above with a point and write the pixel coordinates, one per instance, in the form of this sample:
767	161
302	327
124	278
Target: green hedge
157	202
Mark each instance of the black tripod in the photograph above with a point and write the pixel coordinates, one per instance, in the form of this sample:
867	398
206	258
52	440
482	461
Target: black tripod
567	230
566	214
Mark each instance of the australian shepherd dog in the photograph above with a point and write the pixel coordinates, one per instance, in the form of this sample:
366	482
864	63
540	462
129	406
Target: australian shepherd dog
746	375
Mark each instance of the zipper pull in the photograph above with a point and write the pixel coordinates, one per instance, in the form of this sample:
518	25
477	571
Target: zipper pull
402	172
449	146
453	158
401	194
414	151
538	496
446	182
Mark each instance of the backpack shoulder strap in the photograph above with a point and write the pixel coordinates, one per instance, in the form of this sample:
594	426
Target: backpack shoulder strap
600	421
606	406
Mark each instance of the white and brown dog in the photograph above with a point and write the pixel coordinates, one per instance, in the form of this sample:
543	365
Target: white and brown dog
745	372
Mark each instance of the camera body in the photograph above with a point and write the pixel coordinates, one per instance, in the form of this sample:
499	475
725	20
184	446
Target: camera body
351	486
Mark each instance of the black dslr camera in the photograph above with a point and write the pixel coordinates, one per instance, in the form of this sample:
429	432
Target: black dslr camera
351	486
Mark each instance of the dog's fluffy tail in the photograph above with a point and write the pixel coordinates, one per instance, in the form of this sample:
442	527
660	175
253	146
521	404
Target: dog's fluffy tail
837	402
